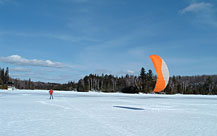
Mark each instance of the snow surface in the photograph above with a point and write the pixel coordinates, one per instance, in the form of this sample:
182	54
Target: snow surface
32	113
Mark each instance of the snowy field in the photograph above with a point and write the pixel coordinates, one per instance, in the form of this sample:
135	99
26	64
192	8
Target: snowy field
32	113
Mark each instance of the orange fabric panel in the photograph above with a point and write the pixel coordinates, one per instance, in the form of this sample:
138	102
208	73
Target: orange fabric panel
157	61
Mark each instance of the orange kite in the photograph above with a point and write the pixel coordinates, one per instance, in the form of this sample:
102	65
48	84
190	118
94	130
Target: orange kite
162	73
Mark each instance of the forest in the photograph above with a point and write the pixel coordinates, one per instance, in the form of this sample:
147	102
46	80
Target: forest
142	83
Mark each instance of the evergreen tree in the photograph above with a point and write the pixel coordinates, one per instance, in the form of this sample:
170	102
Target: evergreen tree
6	76
150	75
150	81
1	82
143	78
143	75
2	73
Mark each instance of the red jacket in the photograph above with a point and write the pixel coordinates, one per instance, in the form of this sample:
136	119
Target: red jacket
51	92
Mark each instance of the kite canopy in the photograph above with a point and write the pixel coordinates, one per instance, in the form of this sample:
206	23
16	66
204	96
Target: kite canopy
162	73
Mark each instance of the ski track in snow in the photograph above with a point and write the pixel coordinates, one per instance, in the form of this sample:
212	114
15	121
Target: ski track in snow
102	123
25	113
56	105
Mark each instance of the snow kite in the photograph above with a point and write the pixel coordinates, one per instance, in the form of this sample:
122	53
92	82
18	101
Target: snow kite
162	73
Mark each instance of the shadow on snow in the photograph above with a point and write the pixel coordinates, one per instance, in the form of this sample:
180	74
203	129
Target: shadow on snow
129	108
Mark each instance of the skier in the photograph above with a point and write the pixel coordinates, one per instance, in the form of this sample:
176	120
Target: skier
51	94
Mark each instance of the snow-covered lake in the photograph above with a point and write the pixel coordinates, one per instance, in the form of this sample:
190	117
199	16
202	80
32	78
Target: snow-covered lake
32	113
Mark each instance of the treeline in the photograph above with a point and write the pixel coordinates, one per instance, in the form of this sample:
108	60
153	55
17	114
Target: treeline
28	84
143	83
206	85
127	84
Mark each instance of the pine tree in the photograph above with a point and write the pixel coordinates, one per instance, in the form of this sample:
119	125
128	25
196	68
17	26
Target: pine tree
1	82
2	73
143	78
6	76
150	75
29	84
150	81
143	74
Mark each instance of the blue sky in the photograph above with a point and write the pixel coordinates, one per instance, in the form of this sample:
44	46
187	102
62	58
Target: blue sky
63	40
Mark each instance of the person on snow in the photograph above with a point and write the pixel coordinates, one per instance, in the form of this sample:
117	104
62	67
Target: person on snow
51	94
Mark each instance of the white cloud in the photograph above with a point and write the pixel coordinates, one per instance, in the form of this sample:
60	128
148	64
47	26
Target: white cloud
18	60
204	13
196	7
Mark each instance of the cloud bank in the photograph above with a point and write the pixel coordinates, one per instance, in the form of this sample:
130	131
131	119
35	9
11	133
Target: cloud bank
18	60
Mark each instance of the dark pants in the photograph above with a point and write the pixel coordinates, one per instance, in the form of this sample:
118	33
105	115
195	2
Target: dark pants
51	96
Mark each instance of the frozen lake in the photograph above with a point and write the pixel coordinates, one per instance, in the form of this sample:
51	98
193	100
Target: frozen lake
32	113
